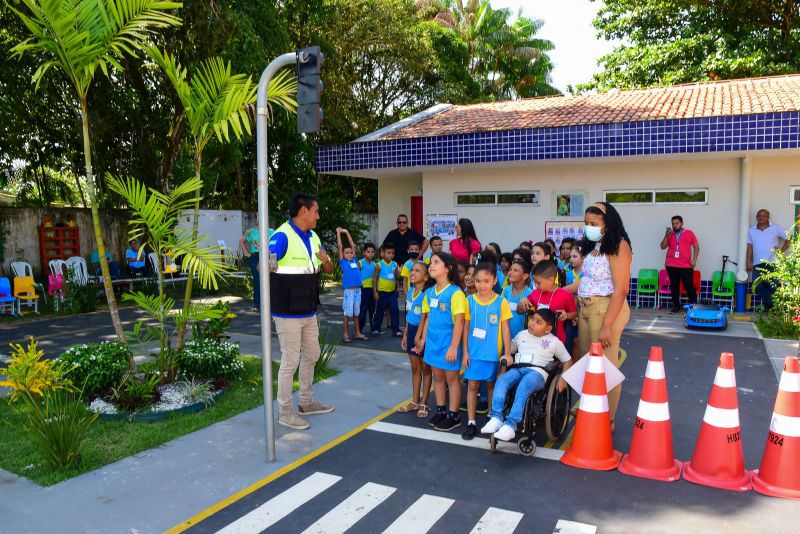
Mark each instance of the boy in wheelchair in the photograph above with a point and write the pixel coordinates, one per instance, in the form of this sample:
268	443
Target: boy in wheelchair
534	348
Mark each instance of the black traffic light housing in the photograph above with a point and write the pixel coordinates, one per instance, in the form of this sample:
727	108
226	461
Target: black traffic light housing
309	89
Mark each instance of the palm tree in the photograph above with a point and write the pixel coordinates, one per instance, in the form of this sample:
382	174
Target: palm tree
77	37
215	101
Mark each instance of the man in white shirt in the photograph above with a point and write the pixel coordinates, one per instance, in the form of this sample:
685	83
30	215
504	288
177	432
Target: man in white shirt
763	240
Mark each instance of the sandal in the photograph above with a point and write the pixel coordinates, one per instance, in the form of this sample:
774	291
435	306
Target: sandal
347	340
423	411
362	337
410	407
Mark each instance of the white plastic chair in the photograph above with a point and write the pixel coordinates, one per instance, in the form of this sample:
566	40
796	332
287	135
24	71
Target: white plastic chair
22	268
57	266
78	265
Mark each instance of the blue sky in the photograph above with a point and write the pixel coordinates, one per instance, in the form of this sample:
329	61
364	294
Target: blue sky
568	24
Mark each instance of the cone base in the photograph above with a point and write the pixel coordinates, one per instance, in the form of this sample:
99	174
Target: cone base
667	474
774	491
740	484
606	464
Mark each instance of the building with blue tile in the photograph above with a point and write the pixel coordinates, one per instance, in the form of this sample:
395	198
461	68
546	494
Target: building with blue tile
714	153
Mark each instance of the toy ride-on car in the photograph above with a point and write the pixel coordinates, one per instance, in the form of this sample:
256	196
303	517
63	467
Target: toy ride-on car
706	316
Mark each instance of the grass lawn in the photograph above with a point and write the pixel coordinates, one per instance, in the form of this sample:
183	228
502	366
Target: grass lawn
110	441
772	325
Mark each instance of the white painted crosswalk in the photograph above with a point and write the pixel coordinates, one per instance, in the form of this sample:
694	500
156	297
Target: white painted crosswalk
418	518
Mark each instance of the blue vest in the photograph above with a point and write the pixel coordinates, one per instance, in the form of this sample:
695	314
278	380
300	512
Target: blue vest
485	317
517	322
414	307
367	270
386	278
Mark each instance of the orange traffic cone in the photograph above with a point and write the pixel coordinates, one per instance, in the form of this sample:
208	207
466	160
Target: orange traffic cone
591	446
718	459
651	453
779	474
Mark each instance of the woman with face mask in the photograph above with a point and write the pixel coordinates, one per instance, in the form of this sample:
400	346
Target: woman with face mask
603	289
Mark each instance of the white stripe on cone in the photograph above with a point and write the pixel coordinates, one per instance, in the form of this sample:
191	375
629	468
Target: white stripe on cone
725	378
652	411
595	365
790	382
655	371
720	417
594	403
784	425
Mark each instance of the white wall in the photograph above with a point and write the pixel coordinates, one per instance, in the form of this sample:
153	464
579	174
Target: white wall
715	223
772	178
394	197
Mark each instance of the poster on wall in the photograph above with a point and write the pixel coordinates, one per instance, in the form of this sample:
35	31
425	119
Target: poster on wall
569	203
443	225
558	230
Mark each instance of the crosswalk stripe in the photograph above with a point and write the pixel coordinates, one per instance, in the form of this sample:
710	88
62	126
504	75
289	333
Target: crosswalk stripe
454	439
348	512
281	505
497	521
573	527
420	516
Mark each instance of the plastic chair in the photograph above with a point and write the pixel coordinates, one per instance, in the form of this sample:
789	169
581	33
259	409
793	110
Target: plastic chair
696	281
6	298
81	272
647	284
664	289
57	267
24	291
22	268
723	287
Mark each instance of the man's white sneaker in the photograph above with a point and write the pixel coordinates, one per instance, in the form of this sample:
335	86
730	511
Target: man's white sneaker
492	426
506	433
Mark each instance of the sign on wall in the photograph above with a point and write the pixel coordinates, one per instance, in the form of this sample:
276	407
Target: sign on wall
443	225
558	230
569	203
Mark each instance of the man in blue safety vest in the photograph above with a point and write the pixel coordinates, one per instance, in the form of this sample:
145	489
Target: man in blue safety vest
294	283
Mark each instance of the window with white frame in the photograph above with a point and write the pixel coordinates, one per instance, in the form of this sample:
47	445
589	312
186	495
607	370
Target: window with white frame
656	196
497	198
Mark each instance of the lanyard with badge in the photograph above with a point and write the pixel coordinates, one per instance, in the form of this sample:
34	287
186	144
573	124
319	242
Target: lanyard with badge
678	235
480	333
542	306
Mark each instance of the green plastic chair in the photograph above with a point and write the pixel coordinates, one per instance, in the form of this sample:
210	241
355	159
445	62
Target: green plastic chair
723	287
646	284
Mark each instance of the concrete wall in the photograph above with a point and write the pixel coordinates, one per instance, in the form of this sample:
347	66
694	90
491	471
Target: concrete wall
716	224
394	197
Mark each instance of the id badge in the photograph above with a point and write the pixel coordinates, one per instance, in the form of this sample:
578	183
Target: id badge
390	276
434	303
354	266
543	307
677	254
479	333
408	304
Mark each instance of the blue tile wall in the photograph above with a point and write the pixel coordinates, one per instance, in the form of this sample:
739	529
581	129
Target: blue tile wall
763	131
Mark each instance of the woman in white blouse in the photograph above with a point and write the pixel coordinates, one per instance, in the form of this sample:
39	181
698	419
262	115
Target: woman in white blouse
603	289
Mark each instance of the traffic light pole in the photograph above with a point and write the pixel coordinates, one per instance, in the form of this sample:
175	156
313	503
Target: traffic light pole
262	115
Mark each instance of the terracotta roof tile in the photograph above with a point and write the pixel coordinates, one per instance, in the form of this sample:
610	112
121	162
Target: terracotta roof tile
712	99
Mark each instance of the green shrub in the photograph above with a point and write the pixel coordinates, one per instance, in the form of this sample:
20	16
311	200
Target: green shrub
208	359
133	394
97	366
327	350
57	424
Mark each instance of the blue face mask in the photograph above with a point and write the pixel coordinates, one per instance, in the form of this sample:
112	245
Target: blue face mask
593	233
413	255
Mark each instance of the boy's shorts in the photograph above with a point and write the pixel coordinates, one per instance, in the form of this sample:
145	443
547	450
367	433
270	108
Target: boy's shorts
352	302
482	370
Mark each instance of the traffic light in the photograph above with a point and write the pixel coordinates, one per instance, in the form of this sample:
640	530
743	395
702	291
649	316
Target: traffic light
309	89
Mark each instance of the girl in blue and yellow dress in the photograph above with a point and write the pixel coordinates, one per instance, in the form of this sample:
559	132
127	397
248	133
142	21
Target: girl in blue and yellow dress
486	337
420	371
443	309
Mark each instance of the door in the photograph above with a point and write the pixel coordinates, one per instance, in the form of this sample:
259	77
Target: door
416	214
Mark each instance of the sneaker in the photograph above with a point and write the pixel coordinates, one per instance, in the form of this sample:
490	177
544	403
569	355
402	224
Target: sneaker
315	408
506	433
492	426
433	421
483	407
448	423
292	420
375	333
469	432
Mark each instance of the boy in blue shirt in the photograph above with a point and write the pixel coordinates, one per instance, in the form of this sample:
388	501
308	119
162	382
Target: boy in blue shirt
351	283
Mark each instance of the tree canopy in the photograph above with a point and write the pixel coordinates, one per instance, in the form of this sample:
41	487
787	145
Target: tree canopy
678	41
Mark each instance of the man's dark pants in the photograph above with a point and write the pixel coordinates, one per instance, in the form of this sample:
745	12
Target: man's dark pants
676	276
765	289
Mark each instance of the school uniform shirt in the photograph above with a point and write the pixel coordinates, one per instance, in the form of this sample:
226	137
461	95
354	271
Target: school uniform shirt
386	278
538	351
367	270
501	281
517	321
414	306
351	274
405	272
560	299
442	307
485	333
571	277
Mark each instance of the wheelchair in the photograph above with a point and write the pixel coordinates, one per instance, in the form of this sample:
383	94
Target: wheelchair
547	406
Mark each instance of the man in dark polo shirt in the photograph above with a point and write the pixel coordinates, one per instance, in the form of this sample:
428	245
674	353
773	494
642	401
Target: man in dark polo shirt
400	238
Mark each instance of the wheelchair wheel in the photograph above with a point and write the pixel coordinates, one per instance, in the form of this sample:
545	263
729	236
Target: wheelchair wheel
526	446
557	410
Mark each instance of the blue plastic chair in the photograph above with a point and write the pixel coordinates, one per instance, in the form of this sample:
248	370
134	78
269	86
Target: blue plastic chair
6	298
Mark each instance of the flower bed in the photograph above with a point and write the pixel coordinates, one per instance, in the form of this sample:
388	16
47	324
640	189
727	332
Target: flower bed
174	398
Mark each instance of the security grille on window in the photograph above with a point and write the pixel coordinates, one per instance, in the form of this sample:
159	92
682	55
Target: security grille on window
794	194
495	198
657	196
